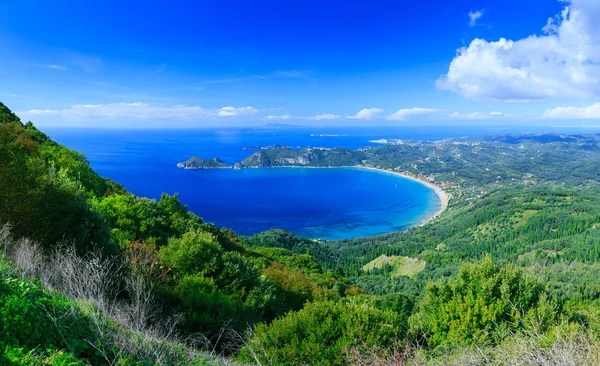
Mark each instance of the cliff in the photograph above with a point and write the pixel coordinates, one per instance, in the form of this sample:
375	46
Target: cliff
304	157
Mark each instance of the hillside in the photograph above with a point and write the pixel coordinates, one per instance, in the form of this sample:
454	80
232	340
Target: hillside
313	157
91	274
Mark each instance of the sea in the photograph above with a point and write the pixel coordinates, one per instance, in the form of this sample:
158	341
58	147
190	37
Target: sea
328	203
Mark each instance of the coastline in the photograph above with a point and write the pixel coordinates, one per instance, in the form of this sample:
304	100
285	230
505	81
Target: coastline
443	196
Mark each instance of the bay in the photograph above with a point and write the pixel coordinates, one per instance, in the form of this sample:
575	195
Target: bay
329	203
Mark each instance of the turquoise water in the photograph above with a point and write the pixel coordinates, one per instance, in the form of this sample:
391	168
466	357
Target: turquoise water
330	203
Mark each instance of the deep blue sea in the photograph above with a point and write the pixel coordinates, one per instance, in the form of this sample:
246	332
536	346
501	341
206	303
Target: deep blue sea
315	203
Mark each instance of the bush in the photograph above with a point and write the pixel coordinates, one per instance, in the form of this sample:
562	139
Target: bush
322	332
206	308
196	252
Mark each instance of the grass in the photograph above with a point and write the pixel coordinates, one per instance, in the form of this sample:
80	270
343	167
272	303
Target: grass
402	266
523	218
410	267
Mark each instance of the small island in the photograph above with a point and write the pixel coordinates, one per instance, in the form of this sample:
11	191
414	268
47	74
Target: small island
198	163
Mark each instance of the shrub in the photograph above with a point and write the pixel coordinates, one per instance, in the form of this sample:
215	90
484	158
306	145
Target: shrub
196	252
482	305
244	281
293	289
206	308
322	331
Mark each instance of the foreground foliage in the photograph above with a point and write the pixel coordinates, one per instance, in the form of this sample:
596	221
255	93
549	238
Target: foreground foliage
482	305
323	331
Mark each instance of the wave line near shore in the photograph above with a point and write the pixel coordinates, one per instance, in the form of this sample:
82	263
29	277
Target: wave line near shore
443	196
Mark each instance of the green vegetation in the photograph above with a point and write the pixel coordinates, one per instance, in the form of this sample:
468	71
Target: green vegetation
323	331
40	327
402	266
199	163
313	157
484	304
91	274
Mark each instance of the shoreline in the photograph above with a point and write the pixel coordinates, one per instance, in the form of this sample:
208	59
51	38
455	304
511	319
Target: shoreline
442	195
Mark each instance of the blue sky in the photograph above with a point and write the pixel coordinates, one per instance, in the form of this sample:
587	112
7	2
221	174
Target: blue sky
228	63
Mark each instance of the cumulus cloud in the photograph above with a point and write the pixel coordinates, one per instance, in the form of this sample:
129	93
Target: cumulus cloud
561	63
403	114
109	111
474	16
591	112
476	115
367	113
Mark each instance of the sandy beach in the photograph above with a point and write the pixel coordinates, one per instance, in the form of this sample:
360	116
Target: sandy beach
444	198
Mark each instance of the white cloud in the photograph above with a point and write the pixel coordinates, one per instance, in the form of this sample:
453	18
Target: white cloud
591	112
327	116
285	116
367	113
313	118
562	63
82	112
403	114
474	16
476	115
58	67
234	112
